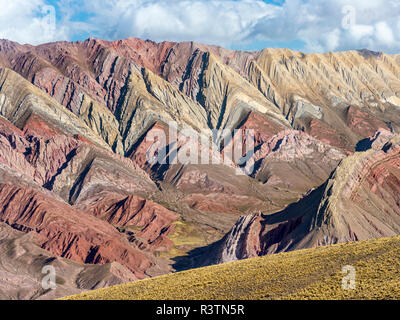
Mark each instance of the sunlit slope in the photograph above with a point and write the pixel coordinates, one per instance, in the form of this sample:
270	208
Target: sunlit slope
303	274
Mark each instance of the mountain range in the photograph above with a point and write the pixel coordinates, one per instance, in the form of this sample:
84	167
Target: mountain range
77	190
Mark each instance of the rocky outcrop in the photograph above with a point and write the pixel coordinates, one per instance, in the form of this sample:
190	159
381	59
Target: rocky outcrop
376	141
52	161
20	100
67	232
327	134
359	201
363	123
285	161
104	84
34	156
94	80
75	118
22	263
150	222
66	164
314	92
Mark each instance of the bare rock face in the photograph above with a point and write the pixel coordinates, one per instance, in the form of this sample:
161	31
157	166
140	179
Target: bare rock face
327	134
285	160
104	84
47	165
91	240
218	188
153	220
64	163
94	80
362	123
18	252
263	128
376	141
34	156
20	100
343	209
67	232
75	118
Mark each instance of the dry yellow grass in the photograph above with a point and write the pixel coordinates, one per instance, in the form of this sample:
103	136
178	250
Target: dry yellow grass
303	274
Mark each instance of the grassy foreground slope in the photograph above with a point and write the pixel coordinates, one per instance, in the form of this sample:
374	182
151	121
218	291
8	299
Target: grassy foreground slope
304	274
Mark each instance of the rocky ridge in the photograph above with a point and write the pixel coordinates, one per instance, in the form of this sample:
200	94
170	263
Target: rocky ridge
359	201
75	118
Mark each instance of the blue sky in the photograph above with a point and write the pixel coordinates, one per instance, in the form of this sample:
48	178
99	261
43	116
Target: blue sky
304	25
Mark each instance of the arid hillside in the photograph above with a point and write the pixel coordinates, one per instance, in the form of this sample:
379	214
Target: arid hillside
310	274
78	120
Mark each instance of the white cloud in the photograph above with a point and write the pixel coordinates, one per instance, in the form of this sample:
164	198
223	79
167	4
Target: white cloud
384	33
30	21
324	25
359	31
212	21
320	25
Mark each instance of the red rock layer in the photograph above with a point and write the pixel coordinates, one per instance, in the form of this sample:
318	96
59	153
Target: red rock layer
67	71
41	155
362	123
153	220
365	204
326	134
67	232
36	156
